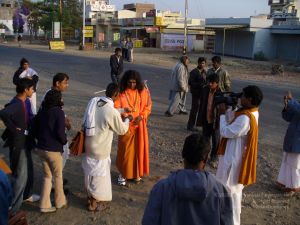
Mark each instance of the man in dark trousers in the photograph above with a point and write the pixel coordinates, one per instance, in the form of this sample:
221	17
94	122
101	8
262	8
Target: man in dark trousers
16	116
116	65
191	195
208	116
197	80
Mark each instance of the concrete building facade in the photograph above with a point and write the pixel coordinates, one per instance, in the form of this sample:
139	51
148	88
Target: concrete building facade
7	9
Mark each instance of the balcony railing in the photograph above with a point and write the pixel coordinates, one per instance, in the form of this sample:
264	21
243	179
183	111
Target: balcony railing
281	2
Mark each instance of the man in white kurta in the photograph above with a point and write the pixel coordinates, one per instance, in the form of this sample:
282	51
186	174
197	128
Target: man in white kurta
235	129
101	121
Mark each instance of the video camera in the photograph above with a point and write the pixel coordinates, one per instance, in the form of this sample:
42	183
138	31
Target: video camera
228	98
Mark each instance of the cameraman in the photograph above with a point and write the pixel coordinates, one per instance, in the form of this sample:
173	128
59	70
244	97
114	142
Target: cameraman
238	147
208	116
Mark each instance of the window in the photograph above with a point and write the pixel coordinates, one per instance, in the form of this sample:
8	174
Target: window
199	37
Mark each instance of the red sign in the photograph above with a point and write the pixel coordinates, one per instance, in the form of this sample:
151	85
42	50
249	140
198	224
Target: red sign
152	29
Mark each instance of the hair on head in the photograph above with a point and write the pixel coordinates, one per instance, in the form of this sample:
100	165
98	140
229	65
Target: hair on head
111	90
213	78
195	149
118	50
131	75
52	99
59	77
201	59
253	92
216	59
23	84
23	61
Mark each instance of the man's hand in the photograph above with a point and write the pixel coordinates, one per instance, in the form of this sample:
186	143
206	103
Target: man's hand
129	117
137	120
67	123
286	98
222	108
127	110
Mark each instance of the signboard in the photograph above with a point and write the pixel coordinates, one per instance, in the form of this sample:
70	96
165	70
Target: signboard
175	41
100	6
88	31
101	37
116	36
56	30
57	45
138	22
152	29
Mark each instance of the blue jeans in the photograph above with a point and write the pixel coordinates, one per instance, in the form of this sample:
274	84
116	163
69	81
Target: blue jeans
22	176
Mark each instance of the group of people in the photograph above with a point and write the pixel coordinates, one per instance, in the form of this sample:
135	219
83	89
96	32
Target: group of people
42	130
229	142
127	48
231	128
124	111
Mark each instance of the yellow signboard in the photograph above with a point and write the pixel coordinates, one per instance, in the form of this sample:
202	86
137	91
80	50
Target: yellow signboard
88	31
57	45
158	21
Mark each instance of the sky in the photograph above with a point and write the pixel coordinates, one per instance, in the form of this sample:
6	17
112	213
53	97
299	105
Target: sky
207	8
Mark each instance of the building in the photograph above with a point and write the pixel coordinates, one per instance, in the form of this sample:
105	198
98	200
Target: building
7	9
139	8
284	10
147	26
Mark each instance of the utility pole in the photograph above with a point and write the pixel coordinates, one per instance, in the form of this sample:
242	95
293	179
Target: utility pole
83	25
185	28
60	11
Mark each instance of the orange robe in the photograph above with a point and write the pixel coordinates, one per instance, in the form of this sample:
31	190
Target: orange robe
133	147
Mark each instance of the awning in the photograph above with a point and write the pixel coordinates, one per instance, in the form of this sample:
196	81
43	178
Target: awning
226	26
132	28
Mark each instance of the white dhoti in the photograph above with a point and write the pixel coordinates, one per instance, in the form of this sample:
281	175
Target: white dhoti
228	175
97	178
289	174
65	154
33	103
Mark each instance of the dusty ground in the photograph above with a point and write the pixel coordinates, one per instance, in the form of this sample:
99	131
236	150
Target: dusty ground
262	204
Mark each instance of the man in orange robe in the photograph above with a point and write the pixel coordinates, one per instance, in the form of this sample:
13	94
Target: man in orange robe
133	147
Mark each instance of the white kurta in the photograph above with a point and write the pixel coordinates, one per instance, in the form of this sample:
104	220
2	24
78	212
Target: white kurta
289	174
230	163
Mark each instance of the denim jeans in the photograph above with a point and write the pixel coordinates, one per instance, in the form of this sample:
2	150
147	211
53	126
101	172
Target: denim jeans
22	175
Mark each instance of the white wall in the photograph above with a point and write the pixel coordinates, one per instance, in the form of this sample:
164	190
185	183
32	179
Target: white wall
264	41
9	24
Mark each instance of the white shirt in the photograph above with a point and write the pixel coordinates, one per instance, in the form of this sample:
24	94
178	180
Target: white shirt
107	121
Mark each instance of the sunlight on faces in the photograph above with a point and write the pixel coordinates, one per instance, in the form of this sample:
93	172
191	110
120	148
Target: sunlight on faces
62	86
29	92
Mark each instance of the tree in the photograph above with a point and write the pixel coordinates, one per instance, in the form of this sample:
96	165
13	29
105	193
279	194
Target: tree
19	19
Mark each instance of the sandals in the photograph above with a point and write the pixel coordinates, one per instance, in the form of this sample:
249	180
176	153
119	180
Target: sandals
94	206
121	180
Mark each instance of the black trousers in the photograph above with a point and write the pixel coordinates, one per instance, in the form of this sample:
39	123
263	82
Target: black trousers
114	78
194	110
210	132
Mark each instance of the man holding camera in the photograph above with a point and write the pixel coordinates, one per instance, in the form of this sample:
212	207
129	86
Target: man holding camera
238	147
208	116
